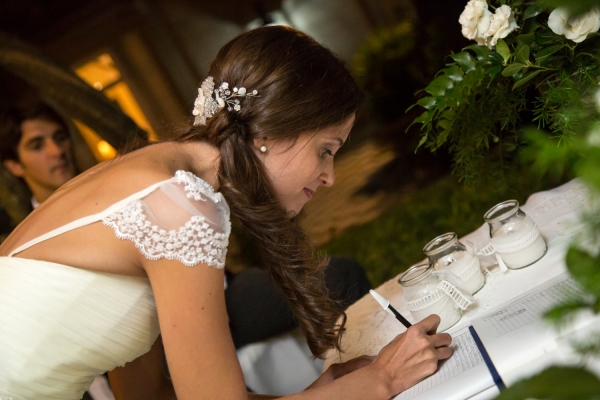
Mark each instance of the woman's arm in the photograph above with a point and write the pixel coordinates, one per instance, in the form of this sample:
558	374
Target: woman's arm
143	378
405	361
203	362
195	331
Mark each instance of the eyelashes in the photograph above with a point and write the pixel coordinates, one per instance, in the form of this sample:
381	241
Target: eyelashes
326	152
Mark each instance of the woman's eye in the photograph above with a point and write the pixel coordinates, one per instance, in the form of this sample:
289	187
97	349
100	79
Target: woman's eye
326	152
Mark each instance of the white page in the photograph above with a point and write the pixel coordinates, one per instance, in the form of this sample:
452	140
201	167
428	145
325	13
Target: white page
461	376
517	339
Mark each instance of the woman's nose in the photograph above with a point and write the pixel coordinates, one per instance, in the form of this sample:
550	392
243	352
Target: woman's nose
328	176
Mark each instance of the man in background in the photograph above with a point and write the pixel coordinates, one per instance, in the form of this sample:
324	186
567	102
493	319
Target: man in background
35	146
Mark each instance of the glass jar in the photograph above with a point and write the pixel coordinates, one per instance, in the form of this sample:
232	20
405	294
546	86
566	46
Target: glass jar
423	297
445	252
514	235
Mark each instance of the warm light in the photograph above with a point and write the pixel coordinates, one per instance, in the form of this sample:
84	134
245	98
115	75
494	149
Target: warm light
106	150
103	75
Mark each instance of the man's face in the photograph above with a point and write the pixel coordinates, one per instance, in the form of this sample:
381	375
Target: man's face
45	159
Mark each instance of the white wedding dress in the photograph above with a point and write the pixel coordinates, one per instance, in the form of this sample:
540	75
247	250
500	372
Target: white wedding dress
61	326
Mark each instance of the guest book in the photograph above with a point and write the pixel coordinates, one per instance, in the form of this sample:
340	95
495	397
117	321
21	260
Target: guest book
514	342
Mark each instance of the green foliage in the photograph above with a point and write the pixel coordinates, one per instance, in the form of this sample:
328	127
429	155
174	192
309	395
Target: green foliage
575	7
550	82
477	107
556	383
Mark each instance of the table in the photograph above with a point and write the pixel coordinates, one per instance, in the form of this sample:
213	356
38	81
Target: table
556	213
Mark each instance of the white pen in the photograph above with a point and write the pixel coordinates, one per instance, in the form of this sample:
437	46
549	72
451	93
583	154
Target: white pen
385	303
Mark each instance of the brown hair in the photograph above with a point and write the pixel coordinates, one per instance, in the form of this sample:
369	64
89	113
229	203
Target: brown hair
303	87
10	126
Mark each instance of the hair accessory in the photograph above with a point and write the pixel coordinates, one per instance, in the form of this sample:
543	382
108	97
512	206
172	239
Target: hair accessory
263	149
211	100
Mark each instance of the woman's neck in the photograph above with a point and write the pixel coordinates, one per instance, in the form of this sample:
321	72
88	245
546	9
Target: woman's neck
200	158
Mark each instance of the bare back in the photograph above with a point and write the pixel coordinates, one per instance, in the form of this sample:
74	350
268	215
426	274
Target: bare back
95	246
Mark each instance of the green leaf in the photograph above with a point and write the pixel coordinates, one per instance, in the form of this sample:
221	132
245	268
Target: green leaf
493	71
556	383
481	52
421	142
426	102
439	85
522	55
454	72
533	11
548	51
563	311
465	60
503	50
424	118
526	39
526	79
512	69
585	269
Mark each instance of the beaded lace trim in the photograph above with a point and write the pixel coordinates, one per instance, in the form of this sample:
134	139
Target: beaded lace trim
195	242
196	187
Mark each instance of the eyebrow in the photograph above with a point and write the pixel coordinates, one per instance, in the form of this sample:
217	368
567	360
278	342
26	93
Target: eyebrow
337	139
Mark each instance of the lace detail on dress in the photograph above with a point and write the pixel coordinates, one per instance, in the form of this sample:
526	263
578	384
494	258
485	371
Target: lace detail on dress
194	243
196	187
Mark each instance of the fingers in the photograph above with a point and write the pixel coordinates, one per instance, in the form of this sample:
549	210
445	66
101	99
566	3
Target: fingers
441	339
443	352
430	324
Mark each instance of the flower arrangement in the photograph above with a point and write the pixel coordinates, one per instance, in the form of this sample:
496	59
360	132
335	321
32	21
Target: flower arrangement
539	65
531	65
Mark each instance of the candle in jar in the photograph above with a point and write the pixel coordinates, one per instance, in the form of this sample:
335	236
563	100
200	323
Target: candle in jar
468	269
423	298
514	235
521	257
447	252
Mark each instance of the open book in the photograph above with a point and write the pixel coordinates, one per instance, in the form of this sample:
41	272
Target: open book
517	340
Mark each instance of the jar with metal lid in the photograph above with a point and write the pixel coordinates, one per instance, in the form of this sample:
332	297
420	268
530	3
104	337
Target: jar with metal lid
446	252
423	296
514	236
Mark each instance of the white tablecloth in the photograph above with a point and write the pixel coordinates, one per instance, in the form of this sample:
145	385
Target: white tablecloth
556	213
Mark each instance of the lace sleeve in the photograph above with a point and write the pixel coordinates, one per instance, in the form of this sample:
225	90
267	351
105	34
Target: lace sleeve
183	219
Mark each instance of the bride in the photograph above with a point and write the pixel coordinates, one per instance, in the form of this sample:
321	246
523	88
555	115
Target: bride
136	246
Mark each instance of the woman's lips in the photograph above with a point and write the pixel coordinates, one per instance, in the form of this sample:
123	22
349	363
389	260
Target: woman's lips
309	193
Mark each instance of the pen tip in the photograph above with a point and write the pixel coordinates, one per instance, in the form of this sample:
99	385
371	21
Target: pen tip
380	299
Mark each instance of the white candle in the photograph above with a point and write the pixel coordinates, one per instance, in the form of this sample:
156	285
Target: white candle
522	257
443	307
514	236
468	269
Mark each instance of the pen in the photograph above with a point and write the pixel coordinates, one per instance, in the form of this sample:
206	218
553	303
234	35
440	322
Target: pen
383	302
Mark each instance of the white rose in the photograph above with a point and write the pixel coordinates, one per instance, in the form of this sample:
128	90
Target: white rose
475	20
503	23
575	29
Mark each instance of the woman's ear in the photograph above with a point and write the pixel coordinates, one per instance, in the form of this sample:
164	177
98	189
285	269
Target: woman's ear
260	145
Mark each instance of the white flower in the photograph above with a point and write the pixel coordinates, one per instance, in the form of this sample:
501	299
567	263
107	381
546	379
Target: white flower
575	29
475	20
503	23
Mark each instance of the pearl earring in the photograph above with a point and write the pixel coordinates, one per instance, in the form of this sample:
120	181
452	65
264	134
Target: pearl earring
263	149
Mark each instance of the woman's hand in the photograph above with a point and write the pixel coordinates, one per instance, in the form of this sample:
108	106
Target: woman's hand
413	355
338	370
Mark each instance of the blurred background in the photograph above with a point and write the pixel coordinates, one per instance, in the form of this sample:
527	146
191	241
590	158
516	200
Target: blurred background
120	69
